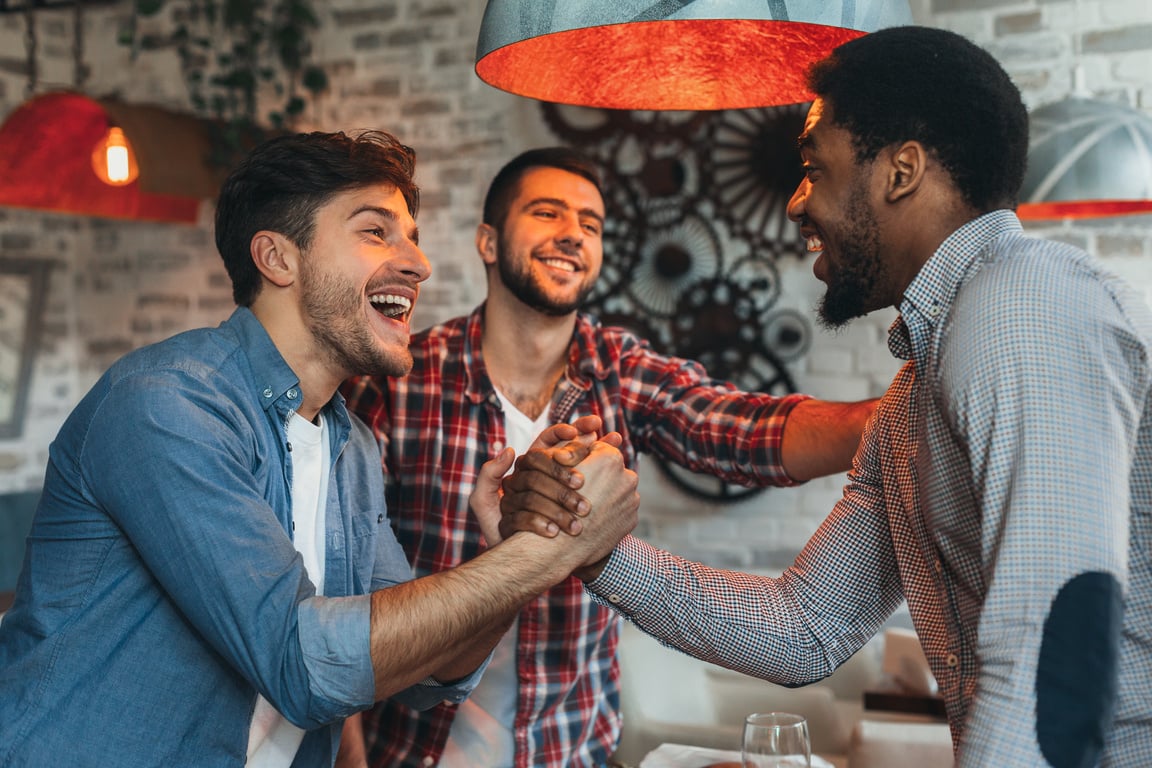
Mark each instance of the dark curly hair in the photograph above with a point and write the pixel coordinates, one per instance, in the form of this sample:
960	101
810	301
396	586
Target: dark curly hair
938	88
504	187
284	181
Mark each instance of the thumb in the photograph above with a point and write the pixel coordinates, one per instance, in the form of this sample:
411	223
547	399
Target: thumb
485	497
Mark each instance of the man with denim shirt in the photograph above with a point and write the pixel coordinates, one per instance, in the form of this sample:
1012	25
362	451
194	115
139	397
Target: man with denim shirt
210	578
1004	485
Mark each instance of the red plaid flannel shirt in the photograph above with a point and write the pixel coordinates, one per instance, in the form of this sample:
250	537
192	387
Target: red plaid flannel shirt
442	421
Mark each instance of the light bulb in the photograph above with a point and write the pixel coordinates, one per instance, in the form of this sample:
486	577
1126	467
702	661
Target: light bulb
113	159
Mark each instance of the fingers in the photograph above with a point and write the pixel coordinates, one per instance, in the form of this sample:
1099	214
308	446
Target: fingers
541	496
485	497
558	433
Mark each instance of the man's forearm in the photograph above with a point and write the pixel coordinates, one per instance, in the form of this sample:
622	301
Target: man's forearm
821	437
445	625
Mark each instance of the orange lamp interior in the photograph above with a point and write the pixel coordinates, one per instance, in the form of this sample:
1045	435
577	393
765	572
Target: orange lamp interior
698	64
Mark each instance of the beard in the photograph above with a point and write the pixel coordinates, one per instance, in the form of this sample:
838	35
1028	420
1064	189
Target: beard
853	280
529	290
333	311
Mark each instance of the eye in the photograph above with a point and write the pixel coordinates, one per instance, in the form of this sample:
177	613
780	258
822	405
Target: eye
545	213
809	170
376	232
592	228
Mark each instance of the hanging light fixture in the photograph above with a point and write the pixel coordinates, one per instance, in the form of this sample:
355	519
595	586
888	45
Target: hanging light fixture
63	151
113	159
661	55
1087	159
51	145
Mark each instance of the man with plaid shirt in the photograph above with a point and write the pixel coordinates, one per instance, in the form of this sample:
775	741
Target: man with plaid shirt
523	360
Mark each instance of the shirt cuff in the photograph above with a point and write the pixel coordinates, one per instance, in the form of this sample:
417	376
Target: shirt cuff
334	640
629	579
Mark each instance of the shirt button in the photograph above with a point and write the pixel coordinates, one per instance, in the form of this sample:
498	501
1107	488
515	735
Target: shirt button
614	598
951	660
939	566
293	393
428	760
497	446
380	518
267	392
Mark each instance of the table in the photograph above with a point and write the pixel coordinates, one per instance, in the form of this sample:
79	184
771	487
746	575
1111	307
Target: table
687	756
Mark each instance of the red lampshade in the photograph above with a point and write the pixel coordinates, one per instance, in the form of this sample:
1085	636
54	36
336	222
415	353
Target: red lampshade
46	159
625	54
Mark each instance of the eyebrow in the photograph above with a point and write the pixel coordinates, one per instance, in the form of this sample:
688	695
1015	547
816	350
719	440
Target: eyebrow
390	215
562	204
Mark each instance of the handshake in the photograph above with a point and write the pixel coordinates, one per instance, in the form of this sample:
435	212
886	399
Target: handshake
572	481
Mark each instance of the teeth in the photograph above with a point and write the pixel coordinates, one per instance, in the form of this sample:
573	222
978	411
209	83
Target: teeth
815	244
390	304
560	264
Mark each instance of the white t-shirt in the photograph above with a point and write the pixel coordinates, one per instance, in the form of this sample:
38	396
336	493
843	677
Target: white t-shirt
482	731
272	740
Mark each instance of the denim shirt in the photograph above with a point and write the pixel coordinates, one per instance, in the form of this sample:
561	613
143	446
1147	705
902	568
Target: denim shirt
161	591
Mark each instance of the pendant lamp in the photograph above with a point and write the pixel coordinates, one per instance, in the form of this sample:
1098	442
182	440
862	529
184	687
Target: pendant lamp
1087	159
54	153
668	54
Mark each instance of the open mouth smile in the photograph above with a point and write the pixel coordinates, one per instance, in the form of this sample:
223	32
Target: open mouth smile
560	264
391	305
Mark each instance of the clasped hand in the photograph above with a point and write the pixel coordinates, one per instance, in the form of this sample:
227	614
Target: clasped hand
569	481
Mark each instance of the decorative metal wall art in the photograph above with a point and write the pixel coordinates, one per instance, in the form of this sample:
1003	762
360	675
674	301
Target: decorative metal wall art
696	227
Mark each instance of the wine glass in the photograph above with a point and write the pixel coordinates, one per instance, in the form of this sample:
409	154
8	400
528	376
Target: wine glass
776	740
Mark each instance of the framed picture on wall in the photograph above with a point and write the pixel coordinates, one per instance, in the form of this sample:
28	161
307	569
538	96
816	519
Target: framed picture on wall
23	289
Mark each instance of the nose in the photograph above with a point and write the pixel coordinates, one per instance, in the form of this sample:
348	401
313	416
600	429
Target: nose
796	205
414	264
570	233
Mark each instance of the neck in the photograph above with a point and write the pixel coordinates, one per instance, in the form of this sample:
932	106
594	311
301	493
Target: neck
525	352
318	379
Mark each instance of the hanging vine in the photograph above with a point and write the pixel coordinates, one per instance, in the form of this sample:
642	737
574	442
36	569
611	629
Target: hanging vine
235	52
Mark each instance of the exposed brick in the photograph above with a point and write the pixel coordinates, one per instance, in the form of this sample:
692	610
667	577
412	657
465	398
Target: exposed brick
14	66
358	18
421	107
1134	38
162	301
109	347
444	57
1120	245
367	42
16	241
1017	23
949	6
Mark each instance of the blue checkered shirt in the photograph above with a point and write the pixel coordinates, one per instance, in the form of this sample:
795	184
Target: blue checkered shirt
1003	489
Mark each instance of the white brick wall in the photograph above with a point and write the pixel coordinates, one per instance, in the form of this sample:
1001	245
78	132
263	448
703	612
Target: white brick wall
407	67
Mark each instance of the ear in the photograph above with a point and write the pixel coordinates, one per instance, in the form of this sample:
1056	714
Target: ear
906	169
486	243
276	257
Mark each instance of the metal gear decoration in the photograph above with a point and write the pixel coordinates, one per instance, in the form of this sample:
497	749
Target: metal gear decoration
752	169
697	223
670	260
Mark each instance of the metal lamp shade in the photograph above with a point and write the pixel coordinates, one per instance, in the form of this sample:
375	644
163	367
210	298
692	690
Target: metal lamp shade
668	55
1087	159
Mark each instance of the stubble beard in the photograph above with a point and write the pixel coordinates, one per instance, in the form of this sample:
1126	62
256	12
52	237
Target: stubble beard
853	279
529	290
333	310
